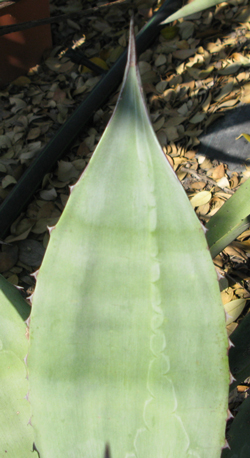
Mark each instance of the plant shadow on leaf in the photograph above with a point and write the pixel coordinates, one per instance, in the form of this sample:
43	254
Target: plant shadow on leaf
13	296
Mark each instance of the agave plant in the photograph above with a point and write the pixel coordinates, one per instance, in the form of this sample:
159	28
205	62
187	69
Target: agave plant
124	353
127	349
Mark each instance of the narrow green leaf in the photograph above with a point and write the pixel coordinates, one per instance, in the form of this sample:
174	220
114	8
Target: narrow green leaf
124	351
191	8
230	221
16	436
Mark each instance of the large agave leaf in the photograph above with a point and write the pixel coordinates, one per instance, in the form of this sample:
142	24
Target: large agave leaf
191	8
16	436
127	338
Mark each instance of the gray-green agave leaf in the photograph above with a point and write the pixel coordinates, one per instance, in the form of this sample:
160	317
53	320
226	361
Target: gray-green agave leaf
128	348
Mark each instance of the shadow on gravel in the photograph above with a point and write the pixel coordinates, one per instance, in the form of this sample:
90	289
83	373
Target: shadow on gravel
219	142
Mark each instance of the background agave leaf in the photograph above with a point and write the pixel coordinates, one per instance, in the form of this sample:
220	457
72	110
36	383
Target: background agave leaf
124	351
238	436
191	8
16	437
230	221
239	354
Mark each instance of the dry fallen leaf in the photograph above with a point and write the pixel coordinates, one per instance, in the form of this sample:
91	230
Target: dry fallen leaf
217	172
234	309
246	136
227	295
201	198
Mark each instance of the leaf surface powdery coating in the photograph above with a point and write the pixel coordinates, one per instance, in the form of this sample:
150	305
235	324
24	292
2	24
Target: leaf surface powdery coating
127	338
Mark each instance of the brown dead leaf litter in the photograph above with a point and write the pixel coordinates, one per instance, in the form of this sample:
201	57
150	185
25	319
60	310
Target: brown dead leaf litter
196	70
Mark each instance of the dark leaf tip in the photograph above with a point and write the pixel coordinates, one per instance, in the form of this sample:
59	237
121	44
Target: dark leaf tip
107	453
131	61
